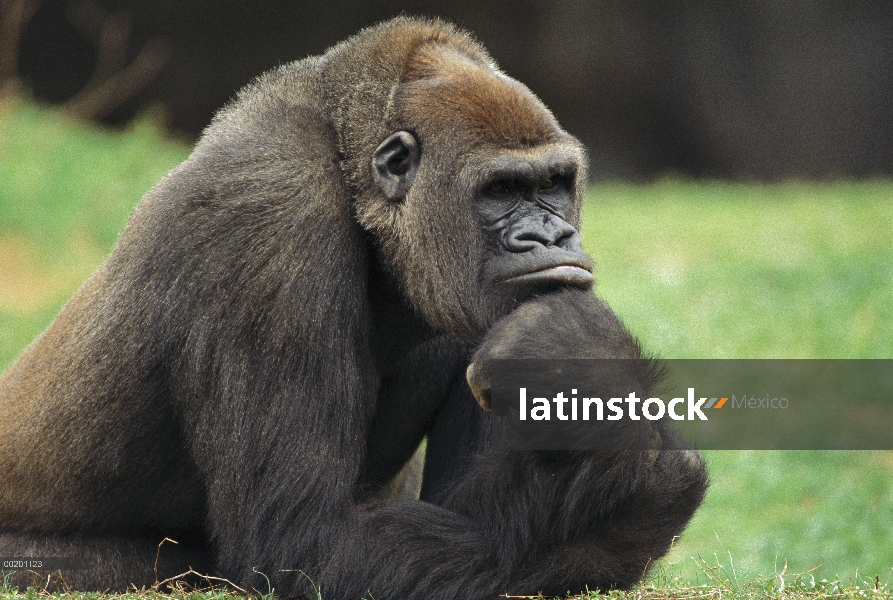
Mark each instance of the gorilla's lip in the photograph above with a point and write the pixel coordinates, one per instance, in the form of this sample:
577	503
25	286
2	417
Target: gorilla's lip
570	273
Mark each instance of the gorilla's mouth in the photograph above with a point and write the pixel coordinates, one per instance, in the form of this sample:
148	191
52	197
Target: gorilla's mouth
565	274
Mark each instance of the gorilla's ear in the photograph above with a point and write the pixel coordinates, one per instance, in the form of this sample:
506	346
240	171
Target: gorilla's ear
394	164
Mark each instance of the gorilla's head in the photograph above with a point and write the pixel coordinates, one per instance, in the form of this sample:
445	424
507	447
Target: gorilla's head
474	189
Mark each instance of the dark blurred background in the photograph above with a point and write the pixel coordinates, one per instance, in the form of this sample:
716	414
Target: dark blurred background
756	89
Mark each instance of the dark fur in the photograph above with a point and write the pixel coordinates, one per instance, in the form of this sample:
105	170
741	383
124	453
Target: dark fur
272	338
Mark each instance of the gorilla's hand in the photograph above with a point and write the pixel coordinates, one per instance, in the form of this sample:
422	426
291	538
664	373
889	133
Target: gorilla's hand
567	324
572	324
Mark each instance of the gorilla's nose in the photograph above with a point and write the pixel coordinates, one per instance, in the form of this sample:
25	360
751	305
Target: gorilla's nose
546	231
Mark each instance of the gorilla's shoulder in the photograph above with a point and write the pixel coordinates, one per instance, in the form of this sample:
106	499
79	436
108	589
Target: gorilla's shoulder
286	99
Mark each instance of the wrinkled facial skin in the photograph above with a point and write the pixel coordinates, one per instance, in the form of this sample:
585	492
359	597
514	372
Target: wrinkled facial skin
496	231
531	245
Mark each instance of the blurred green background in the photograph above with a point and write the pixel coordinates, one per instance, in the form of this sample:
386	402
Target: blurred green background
696	269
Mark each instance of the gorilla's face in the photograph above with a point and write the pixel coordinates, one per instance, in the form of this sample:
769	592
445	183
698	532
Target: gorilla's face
526	205
481	230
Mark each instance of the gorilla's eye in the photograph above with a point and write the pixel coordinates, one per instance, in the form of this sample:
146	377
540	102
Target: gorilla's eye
499	187
548	184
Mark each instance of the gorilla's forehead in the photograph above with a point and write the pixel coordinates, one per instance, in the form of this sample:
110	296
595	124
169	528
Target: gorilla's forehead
443	87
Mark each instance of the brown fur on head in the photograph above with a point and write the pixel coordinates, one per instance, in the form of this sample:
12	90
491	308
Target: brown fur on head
444	88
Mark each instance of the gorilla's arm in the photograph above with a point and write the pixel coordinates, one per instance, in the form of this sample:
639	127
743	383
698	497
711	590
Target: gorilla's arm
520	522
551	521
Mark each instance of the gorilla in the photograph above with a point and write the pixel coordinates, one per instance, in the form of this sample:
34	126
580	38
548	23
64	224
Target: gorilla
292	310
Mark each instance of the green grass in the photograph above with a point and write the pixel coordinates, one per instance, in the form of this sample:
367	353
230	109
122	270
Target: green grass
722	585
721	270
66	191
696	269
